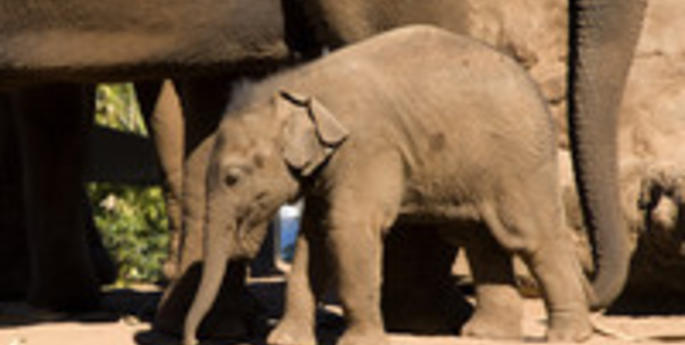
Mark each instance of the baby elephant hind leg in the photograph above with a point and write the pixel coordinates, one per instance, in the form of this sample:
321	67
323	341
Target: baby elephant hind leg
533	230
498	304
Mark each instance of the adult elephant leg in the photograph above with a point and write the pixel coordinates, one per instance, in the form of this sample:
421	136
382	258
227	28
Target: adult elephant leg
161	108
14	260
603	37
203	102
52	122
419	294
14	250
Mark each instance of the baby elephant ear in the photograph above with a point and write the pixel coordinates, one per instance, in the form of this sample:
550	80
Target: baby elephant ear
311	132
331	132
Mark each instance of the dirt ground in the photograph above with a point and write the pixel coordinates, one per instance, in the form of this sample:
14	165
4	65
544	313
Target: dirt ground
122	324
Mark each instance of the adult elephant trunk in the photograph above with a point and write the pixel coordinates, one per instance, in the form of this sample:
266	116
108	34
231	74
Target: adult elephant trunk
604	34
218	249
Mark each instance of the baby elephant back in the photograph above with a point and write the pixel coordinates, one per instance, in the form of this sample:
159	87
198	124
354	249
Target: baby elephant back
432	79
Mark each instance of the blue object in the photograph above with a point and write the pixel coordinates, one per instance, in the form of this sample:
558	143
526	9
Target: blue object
288	225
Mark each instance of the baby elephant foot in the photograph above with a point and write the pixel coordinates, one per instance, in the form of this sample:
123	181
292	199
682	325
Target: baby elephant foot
352	337
291	333
569	328
484	325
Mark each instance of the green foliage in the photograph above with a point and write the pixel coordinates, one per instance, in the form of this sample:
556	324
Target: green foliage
116	106
133	223
131	219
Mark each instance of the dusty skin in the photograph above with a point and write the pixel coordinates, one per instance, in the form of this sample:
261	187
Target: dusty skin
126	329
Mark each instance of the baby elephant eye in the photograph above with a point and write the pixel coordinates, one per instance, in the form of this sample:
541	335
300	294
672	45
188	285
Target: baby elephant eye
232	177
230	180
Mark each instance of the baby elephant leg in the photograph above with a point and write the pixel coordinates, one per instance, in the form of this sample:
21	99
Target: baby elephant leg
533	230
498	304
307	281
356	247
560	277
363	206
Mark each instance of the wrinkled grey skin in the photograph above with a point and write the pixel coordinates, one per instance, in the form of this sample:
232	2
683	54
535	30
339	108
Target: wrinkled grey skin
32	52
603	35
374	134
594	25
600	29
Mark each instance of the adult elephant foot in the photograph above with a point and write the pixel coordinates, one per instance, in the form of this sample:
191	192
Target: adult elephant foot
234	315
291	333
419	294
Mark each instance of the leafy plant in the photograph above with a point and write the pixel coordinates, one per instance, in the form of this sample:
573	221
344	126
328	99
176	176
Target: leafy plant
116	106
131	219
133	223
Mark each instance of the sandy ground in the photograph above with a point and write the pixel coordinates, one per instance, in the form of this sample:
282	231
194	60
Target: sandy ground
124	328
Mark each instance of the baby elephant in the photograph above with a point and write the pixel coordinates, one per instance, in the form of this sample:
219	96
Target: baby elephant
416	125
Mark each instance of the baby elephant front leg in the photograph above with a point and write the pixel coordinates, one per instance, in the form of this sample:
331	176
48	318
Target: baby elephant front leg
362	207
307	281
357	252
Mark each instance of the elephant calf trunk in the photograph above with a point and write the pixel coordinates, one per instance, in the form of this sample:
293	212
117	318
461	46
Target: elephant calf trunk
213	272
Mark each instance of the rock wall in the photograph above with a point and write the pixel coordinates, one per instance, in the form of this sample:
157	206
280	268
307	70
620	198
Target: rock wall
652	162
534	33
651	133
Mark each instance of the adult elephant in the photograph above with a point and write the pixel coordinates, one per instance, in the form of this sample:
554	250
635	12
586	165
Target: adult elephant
51	53
161	112
83	41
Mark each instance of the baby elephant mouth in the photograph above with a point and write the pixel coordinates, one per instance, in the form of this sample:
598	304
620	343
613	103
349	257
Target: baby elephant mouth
250	232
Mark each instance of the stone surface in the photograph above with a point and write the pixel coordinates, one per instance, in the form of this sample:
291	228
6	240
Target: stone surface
651	134
127	329
651	140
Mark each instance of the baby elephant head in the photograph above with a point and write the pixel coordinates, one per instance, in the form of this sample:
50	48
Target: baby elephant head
260	154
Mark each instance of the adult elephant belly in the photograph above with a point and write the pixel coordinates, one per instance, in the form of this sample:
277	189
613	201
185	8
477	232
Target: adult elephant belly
79	40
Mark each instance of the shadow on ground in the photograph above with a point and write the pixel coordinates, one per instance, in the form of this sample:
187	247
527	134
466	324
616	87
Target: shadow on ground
117	304
269	293
648	303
